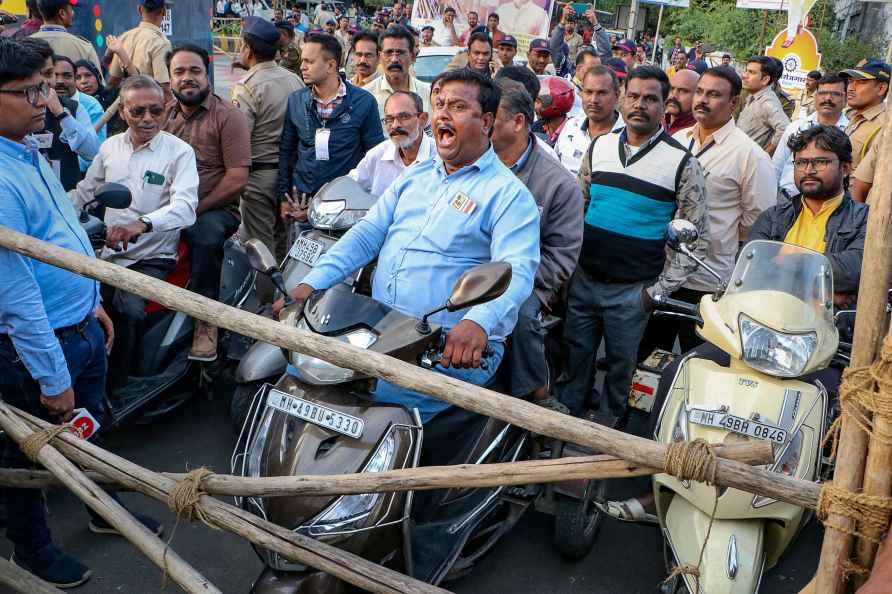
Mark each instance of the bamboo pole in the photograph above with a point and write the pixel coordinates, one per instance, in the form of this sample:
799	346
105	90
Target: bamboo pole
870	327
112	512
476	399
411	479
878	472
290	545
108	115
18	580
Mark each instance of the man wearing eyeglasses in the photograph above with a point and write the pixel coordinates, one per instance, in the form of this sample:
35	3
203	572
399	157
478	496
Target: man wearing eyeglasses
161	172
397	55
822	217
404	122
829	102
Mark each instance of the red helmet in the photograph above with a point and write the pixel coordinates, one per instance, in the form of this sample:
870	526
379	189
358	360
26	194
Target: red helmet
556	96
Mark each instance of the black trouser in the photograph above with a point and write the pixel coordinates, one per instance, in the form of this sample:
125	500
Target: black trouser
662	331
829	378
206	238
128	312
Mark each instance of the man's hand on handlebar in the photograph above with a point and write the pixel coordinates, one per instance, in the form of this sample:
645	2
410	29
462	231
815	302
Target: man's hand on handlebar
124	234
464	346
300	294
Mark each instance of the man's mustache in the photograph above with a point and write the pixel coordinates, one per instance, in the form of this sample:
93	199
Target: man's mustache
674	102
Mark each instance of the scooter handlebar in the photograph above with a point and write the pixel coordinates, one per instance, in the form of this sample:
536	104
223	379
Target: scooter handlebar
674	306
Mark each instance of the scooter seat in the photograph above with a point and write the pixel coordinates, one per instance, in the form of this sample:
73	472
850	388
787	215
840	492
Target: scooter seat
179	276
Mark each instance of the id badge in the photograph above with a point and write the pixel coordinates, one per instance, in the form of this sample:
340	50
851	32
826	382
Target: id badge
322	135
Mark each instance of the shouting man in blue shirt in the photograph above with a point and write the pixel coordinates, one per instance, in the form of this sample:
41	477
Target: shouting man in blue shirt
438	220
52	348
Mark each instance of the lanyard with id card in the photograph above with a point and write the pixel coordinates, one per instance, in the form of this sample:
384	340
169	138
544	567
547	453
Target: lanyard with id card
322	136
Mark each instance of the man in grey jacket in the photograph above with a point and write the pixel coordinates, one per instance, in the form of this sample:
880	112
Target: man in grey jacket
560	207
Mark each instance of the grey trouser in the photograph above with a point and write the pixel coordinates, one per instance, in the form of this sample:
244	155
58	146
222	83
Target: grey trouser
529	367
615	313
261	220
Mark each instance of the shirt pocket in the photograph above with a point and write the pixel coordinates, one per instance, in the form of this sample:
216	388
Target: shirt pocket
453	232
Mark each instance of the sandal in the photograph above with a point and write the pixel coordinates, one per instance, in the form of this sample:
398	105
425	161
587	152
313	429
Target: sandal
627	510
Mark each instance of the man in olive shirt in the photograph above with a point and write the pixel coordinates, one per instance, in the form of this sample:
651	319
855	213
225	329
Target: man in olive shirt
262	96
763	118
218	133
58	15
866	94
147	47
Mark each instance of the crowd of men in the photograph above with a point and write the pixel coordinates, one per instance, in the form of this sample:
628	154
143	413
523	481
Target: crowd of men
572	180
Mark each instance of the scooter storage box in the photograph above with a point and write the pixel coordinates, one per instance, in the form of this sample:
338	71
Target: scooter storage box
647	378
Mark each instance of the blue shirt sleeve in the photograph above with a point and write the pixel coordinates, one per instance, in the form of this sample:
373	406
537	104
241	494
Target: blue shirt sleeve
515	239
359	246
22	314
77	132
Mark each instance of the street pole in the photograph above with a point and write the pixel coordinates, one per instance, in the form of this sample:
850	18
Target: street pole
633	17
653	56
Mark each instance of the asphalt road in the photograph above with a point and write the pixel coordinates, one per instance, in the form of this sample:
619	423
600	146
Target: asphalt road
627	559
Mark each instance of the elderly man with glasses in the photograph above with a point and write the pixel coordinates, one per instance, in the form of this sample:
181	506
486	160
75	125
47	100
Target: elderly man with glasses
404	123
161	172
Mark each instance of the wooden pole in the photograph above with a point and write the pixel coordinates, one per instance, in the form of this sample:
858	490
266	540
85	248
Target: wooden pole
108	115
476	399
111	511
870	327
878	472
18	580
653	55
290	545
411	479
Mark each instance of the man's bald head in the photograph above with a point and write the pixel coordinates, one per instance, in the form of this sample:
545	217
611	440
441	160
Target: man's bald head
681	95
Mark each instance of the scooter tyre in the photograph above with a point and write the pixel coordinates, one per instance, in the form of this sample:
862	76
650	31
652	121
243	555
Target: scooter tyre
242	398
577	522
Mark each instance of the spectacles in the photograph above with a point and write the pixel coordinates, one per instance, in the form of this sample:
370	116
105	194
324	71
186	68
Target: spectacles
402	118
395	53
138	112
819	164
32	94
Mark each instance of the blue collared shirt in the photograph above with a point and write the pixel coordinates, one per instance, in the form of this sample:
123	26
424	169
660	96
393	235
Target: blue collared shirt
94	112
36	298
429	227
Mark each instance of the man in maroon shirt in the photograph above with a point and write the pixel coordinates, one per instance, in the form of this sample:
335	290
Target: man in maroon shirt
679	105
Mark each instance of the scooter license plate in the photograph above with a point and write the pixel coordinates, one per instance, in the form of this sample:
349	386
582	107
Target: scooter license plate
316	414
306	250
737	424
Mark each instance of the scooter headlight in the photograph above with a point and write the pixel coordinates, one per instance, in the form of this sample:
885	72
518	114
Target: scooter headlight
319	372
776	353
333	215
349	511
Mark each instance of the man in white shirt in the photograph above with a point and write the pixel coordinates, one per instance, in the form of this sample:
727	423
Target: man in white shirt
161	172
404	122
523	16
830	100
396	57
444	31
600	95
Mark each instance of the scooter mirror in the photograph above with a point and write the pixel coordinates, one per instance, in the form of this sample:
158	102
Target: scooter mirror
112	195
259	256
681	232
480	284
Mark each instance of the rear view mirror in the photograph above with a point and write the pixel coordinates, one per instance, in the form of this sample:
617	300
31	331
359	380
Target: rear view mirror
112	195
259	256
681	232
480	284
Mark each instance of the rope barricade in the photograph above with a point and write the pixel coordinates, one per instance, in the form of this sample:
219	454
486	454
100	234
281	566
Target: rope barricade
36	441
693	461
870	511
184	497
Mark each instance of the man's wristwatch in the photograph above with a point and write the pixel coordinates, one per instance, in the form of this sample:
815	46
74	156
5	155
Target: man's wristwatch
63	114
147	222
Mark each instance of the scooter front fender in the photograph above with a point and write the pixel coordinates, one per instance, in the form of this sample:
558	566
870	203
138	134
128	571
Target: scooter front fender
733	559
262	361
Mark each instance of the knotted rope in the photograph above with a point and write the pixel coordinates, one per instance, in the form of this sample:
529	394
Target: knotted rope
183	500
35	442
870	511
694	461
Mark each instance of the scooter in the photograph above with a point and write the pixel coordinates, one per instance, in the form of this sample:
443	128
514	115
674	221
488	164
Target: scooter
335	208
161	361
322	419
775	321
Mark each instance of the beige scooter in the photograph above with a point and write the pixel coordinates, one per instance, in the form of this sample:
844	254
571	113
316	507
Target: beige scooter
775	320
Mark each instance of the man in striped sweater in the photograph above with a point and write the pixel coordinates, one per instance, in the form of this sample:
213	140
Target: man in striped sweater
634	181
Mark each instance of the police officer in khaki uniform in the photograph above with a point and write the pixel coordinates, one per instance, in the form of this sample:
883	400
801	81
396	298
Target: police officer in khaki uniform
866	94
147	47
262	96
57	17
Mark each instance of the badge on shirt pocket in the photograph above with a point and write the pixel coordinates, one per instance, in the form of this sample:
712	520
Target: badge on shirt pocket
151	178
462	203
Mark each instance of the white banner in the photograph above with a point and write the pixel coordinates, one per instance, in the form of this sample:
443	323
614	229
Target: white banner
678	3
764	4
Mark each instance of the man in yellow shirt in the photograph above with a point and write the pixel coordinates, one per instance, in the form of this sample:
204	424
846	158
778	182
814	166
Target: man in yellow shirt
823	217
